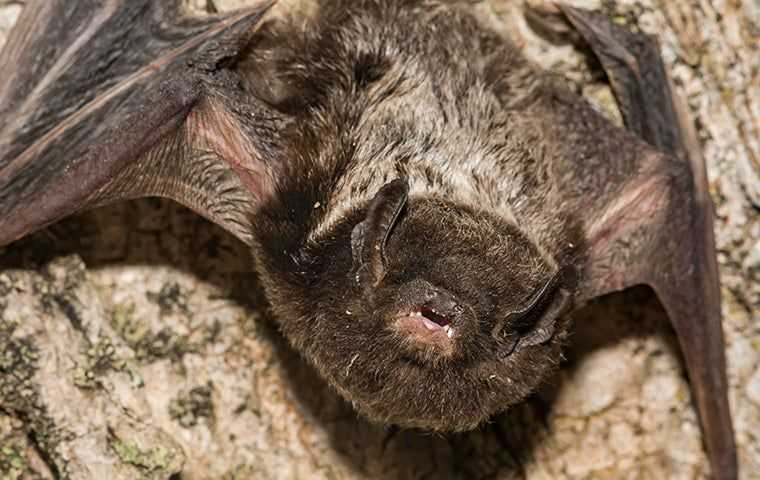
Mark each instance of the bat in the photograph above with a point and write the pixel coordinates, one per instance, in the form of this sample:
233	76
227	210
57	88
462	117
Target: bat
424	206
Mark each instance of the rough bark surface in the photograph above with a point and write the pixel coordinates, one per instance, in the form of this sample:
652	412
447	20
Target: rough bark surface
134	344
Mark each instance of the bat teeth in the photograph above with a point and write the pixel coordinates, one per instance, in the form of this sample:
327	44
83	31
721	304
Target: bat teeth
432	320
449	331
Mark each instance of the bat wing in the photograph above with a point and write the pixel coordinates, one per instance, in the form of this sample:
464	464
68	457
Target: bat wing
116	99
654	224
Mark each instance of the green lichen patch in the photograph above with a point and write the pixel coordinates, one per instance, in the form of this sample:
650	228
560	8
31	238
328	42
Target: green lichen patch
17	457
129	328
19	359
13	463
100	358
7	284
150	345
163	344
153	461
189	407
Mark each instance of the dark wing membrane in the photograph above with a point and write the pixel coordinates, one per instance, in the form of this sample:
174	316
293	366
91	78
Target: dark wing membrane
658	227
113	99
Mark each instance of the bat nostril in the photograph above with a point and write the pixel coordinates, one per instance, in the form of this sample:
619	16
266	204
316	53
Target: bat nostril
440	305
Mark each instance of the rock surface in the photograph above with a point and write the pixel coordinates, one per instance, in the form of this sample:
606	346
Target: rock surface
134	344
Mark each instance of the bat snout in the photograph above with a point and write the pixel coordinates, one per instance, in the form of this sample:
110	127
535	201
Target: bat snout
431	317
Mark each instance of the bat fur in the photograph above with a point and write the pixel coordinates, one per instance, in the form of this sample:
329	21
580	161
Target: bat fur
367	111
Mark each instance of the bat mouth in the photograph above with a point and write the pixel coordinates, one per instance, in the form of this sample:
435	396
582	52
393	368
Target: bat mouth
433	320
430	318
423	328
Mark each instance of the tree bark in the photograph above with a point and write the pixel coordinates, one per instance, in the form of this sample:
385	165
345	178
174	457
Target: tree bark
134	342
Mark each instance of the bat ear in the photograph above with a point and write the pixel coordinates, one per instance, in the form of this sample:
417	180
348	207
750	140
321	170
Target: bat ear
535	322
369	237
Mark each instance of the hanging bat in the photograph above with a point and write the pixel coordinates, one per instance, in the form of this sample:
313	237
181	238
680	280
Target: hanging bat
424	206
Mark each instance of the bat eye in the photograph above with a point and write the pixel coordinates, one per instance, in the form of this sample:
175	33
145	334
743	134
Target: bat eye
368	238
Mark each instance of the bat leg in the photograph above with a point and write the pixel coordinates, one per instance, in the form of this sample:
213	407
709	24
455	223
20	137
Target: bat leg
686	278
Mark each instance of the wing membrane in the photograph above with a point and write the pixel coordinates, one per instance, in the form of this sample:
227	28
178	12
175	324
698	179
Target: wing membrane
658	229
97	110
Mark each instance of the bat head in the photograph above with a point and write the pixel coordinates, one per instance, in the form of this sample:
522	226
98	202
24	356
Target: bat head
425	313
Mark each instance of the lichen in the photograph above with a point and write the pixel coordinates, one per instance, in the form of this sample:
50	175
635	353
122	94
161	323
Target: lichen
18	359
18	392
240	472
13	464
100	358
189	407
150	345
171	298
152	461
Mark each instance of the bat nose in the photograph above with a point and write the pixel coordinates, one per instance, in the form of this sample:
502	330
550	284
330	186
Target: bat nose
442	304
422	294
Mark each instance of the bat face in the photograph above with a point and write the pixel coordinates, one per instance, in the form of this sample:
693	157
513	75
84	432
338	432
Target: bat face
422	318
421	308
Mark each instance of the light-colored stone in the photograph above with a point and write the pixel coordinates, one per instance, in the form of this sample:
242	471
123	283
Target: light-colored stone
753	388
595	384
661	391
8	15
623	440
744	357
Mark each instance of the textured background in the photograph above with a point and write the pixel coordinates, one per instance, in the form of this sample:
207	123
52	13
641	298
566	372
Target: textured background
133	343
